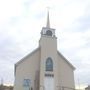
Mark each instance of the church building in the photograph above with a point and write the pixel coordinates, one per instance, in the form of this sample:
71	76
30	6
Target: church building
45	68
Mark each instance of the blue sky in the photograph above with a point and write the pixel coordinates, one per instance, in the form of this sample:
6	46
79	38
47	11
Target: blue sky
21	22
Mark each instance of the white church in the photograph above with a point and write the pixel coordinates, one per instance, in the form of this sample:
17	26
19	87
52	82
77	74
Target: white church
45	68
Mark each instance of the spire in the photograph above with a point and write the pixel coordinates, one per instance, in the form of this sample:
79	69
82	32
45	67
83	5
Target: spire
48	21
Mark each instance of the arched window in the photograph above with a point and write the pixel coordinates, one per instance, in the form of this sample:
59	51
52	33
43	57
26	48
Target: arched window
49	64
49	33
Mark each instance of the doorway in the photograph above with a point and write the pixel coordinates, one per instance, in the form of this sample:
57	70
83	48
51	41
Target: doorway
49	83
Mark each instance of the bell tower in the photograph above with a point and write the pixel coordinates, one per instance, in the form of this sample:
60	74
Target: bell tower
48	61
47	31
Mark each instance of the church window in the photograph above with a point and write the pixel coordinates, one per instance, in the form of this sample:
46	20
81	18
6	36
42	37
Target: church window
26	83
49	64
49	33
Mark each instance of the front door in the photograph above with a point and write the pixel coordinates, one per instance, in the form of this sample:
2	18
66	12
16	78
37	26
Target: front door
49	83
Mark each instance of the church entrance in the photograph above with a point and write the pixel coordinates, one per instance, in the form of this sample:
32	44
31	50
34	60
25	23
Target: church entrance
49	83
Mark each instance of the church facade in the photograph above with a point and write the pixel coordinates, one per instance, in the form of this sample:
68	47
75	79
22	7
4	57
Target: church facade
45	68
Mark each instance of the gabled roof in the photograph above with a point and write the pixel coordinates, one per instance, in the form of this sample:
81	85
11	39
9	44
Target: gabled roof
23	59
66	61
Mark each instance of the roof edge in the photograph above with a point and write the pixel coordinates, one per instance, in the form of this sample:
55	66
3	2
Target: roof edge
27	56
24	59
66	60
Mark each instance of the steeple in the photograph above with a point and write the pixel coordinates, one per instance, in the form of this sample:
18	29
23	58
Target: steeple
48	21
48	31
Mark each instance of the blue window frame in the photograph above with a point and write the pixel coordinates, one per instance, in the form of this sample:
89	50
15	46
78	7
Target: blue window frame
26	83
49	64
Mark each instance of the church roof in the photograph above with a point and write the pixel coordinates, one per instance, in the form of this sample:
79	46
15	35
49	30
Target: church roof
27	56
66	61
23	59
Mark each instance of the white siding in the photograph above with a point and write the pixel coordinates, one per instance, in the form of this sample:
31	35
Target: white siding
65	73
27	70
